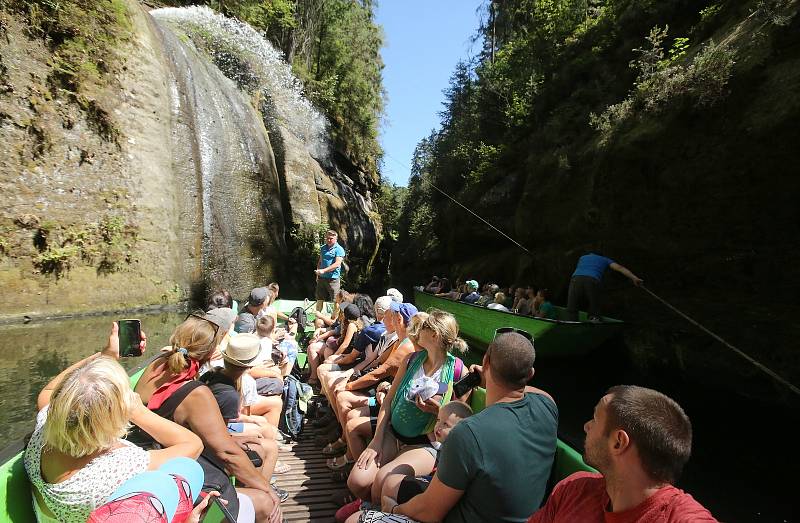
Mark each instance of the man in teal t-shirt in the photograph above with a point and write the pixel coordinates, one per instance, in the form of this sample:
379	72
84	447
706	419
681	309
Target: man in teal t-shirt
329	268
494	465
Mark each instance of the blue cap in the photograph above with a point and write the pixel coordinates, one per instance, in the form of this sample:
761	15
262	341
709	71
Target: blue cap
157	495
406	310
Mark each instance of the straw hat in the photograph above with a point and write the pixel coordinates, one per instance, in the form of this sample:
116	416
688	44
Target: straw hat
242	349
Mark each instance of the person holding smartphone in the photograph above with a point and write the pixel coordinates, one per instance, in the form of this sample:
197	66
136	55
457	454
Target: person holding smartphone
76	456
170	388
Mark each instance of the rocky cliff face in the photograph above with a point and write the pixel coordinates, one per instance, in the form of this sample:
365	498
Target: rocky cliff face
161	184
699	201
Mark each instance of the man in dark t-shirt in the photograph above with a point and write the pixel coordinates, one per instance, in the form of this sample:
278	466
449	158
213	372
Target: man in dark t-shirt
494	465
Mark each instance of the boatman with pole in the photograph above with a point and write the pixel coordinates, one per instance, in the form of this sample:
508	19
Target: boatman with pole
586	281
328	271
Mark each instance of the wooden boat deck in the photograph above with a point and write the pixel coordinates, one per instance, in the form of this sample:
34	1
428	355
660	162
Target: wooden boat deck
309	482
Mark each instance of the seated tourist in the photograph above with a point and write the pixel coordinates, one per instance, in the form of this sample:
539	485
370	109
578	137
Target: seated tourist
351	399
275	289
524	305
487	296
639	440
76	457
168	387
231	385
444	286
399	488
403	424
221	298
252	310
471	295
519	299
432	286
499	300
494	465
454	293
542	308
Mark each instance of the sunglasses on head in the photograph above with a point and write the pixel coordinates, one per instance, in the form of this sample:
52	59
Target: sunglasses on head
507	330
201	316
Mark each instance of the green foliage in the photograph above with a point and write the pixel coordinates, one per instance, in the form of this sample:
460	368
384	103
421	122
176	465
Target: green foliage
85	38
661	80
708	13
107	245
389	205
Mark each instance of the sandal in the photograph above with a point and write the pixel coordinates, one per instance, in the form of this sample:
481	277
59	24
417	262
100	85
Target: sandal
281	468
335	449
338	463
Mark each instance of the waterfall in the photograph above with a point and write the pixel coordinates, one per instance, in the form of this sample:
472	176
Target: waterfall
247	58
254	157
232	221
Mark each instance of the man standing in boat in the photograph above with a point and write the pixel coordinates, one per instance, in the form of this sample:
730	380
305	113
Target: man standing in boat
329	268
586	281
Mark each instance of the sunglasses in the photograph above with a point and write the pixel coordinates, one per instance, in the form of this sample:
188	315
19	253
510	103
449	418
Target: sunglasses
201	316
507	330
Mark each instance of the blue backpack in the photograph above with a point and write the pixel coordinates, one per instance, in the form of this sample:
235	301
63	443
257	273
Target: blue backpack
295	404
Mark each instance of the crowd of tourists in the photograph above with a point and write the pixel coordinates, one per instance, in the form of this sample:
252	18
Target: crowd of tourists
392	417
585	289
523	300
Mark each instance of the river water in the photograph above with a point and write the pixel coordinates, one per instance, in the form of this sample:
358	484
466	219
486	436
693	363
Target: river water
744	458
32	354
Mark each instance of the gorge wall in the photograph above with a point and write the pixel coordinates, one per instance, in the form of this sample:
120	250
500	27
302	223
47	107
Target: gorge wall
166	178
697	199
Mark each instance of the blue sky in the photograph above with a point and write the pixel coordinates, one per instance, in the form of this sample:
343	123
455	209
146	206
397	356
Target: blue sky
424	41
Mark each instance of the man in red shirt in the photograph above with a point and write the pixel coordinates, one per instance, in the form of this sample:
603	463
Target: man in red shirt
639	440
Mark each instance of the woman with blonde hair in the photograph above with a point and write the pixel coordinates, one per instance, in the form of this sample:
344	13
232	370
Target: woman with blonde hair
169	387
76	457
406	418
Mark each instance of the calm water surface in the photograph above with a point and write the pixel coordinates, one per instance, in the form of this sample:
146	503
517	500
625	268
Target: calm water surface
32	354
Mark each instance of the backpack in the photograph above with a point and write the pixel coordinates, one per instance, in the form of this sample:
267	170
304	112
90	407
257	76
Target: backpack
299	314
295	404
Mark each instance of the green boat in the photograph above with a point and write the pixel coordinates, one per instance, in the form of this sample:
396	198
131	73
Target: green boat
15	489
553	338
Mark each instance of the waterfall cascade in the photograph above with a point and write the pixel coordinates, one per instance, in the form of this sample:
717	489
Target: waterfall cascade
252	152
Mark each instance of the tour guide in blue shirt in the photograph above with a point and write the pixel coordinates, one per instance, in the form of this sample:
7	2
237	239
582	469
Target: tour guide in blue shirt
331	255
585	284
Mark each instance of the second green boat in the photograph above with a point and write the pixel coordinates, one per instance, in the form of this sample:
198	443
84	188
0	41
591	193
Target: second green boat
552	338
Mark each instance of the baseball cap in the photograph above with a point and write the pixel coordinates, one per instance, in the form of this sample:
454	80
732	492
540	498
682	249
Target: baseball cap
406	310
257	296
472	284
156	495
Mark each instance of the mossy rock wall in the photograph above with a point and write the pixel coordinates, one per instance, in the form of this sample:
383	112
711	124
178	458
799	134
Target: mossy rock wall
89	207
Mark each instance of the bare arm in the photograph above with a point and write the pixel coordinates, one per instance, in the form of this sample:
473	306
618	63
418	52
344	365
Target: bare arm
628	274
177	441
433	504
263	371
348	337
200	412
111	350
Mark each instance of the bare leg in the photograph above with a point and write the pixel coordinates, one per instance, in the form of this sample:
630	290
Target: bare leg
412	462
391	484
357	432
270	407
264	503
360	480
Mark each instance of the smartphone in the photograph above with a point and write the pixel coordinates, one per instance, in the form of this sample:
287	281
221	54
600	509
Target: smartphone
130	336
217	513
467	383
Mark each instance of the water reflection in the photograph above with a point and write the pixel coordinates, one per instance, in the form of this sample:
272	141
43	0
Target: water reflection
32	354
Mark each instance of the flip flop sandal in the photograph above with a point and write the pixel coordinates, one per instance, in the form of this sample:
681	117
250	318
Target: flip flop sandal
281	468
339	463
335	449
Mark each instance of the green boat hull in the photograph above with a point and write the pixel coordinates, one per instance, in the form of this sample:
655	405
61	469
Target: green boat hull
552	338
